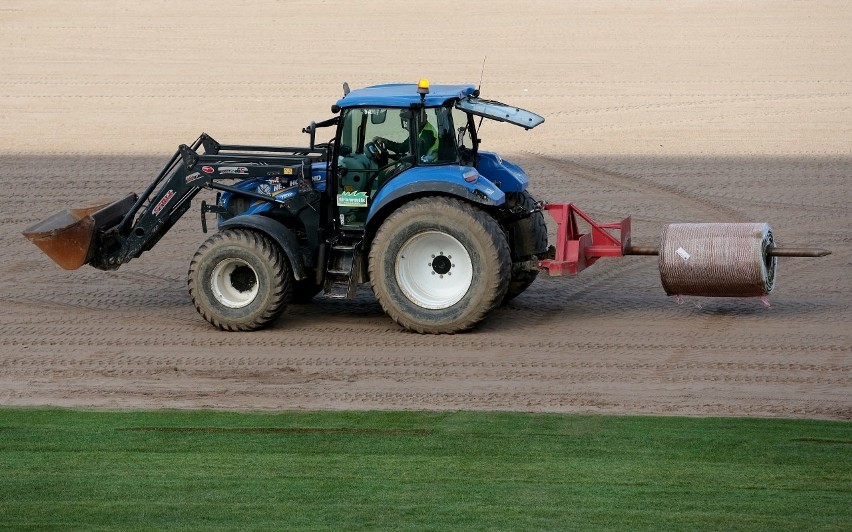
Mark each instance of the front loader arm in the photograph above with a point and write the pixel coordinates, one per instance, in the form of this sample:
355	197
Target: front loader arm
169	196
107	236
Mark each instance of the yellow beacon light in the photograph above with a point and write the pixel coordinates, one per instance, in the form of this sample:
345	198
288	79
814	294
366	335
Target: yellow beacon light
423	86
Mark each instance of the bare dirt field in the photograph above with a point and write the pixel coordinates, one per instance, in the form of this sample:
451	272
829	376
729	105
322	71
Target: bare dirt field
669	112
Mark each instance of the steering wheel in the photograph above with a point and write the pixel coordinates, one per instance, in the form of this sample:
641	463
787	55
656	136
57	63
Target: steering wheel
388	155
379	142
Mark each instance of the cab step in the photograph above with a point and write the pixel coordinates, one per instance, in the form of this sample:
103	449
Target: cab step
344	266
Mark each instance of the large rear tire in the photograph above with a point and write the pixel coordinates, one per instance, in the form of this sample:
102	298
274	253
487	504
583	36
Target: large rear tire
240	280
439	265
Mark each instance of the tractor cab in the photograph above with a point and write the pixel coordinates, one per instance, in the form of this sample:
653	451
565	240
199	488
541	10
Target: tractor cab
378	144
386	130
425	133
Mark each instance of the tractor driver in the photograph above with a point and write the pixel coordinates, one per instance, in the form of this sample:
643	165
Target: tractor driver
427	138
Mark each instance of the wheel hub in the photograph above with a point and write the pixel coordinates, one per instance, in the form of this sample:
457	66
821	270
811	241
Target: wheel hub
441	264
243	279
234	283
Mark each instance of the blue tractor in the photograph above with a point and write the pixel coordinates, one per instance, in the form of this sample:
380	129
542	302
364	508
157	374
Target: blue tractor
401	197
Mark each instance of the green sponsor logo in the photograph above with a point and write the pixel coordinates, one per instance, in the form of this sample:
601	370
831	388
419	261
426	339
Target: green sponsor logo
352	199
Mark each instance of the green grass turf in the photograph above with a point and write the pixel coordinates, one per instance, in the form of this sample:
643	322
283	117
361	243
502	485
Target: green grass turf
66	469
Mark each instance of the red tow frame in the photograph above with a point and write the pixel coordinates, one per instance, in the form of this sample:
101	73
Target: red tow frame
576	251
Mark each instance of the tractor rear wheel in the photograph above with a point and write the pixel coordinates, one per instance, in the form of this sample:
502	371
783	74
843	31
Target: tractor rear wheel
439	265
240	280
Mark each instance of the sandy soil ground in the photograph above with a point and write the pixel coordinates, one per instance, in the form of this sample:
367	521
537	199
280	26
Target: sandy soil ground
670	112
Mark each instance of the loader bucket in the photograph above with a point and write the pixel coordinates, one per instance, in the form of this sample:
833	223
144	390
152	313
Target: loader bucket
68	236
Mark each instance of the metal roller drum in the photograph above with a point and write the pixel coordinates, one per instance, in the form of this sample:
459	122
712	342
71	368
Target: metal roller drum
717	259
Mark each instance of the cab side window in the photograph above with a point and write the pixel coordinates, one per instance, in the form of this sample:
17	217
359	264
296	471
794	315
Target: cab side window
440	123
463	134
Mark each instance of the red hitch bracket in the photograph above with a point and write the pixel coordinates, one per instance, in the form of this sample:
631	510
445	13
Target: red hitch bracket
576	251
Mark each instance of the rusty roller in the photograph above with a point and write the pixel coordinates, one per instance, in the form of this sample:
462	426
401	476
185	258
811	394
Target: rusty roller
718	259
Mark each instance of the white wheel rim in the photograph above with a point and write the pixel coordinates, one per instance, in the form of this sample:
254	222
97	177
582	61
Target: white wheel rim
434	270
234	283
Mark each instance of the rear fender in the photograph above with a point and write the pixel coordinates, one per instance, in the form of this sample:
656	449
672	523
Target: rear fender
278	232
461	181
509	176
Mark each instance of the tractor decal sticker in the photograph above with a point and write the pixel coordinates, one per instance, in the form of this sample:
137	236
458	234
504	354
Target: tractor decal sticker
195	176
268	188
237	170
207	169
163	202
285	195
352	199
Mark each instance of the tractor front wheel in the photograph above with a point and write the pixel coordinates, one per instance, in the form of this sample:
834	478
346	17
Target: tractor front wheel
240	280
439	265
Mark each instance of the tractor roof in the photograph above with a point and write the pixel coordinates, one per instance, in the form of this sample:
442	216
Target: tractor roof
403	95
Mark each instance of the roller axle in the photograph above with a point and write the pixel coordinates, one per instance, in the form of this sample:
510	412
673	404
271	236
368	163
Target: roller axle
772	251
